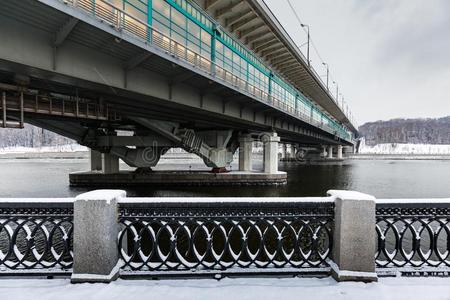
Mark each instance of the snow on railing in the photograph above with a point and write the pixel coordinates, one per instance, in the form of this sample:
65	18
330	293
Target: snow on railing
215	236
36	235
413	235
226	235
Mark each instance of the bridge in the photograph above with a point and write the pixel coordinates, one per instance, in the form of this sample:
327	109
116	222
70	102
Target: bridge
208	76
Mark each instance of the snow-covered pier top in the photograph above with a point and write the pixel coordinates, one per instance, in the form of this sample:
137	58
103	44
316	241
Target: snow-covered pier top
102	235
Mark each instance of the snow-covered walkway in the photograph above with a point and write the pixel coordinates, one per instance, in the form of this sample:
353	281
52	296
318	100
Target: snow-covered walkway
232	289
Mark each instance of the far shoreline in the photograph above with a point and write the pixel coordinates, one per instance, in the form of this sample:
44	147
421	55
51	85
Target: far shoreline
85	155
398	157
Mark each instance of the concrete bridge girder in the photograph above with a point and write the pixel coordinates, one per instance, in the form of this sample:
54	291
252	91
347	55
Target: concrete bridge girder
75	62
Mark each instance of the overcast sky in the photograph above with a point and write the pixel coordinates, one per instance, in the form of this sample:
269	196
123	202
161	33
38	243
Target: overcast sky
391	58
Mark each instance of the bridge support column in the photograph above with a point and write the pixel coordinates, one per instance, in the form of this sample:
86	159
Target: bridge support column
271	141
95	158
324	152
330	151
284	151
110	163
245	153
290	153
295	151
339	151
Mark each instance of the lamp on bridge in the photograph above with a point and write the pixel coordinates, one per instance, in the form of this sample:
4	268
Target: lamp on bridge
337	92
307	53
328	73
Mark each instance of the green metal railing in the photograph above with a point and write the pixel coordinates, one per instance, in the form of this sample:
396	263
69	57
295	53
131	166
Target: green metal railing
186	31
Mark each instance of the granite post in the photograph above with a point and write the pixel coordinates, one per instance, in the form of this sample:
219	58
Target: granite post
354	240
95	245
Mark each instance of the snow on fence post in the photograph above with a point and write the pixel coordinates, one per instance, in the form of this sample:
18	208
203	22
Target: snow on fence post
95	246
354	240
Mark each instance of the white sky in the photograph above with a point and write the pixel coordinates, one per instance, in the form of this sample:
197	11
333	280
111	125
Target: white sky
391	58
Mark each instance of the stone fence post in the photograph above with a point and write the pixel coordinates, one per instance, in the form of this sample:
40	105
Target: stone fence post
354	240
95	246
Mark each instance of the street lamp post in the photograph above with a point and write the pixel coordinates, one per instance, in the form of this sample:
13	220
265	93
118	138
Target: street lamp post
307	53
328	73
337	92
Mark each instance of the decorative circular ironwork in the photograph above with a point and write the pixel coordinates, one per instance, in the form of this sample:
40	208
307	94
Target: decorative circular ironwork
413	237
36	238
156	239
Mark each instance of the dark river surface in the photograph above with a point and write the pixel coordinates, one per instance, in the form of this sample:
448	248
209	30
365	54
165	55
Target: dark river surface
381	178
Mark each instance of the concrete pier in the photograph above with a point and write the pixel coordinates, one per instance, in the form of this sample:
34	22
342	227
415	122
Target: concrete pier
245	153
330	152
271	140
95	159
284	152
178	178
110	163
339	152
324	152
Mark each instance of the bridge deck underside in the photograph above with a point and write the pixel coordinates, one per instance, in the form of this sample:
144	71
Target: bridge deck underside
131	78
256	27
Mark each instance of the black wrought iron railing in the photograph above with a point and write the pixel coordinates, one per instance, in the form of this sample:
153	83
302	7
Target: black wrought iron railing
413	235
226	236
36	235
188	236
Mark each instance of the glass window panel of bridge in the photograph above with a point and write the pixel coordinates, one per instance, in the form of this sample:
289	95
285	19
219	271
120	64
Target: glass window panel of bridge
284	95
303	106
205	44
258	79
108	12
194	12
136	11
170	22
327	121
317	116
237	66
161	20
178	30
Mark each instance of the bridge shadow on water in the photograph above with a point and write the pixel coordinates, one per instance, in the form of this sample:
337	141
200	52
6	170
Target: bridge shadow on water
303	180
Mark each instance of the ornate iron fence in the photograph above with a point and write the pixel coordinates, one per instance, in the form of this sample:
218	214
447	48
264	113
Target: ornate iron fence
231	237
36	237
413	235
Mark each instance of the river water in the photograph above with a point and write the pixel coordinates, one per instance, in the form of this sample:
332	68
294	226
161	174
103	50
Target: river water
381	178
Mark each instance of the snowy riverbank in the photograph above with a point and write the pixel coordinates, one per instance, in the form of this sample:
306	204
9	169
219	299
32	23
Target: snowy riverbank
69	151
398	157
48	149
242	288
404	149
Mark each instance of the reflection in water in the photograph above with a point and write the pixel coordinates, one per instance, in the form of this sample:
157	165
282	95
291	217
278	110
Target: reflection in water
384	179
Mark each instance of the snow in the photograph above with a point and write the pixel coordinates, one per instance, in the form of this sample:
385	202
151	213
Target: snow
37	200
405	149
414	201
114	272
106	195
345	273
48	149
241	288
205	200
349	195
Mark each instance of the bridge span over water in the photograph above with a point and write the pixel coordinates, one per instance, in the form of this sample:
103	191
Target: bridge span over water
209	76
